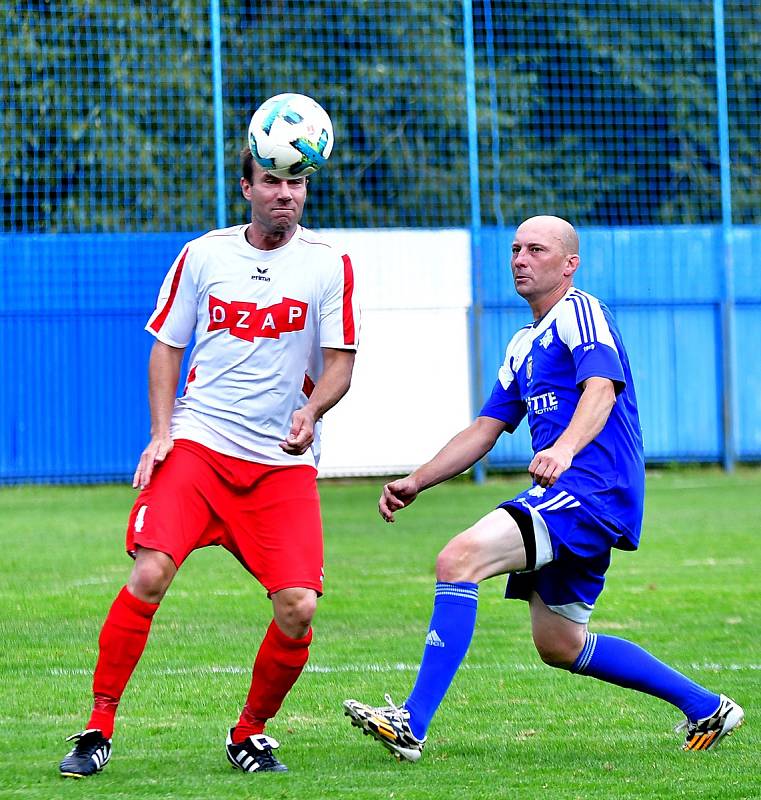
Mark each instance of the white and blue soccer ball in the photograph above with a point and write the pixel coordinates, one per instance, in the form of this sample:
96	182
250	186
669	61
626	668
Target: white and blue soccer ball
290	135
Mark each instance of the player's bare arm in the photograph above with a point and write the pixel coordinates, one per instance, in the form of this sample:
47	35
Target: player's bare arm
163	376
595	404
329	389
460	453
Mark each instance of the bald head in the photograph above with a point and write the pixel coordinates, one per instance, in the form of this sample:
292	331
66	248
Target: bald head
554	229
545	255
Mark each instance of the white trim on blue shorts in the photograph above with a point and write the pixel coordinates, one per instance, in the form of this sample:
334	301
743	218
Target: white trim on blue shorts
576	612
541	537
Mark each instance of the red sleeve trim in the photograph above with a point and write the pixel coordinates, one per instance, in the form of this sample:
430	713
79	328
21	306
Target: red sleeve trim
349	330
164	313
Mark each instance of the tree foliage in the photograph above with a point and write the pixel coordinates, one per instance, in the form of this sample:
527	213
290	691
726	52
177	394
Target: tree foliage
604	112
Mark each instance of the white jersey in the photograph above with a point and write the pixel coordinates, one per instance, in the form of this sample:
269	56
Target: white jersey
260	318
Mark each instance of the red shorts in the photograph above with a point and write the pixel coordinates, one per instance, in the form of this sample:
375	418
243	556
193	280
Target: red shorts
267	516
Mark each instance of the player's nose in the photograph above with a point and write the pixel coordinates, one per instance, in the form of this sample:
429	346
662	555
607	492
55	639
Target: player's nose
284	191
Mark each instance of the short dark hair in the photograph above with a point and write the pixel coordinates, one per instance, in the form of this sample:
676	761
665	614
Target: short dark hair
247	164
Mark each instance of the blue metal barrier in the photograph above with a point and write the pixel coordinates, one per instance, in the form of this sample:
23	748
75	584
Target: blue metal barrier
72	309
73	306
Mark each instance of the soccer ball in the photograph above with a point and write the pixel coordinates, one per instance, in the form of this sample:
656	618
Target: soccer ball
290	135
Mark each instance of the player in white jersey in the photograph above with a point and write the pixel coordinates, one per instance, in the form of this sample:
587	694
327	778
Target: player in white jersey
233	460
569	374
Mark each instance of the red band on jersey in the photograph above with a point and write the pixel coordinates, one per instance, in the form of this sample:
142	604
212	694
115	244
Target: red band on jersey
246	321
308	386
191	378
348	292
164	313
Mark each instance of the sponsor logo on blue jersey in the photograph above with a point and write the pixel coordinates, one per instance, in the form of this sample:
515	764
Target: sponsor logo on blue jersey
542	403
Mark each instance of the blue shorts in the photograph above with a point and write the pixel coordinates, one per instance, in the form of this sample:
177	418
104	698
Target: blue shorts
572	552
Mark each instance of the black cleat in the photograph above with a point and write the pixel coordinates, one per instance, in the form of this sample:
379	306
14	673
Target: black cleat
254	754
90	754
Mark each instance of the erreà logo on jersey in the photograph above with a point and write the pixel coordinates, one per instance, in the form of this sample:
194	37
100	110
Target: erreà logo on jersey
247	321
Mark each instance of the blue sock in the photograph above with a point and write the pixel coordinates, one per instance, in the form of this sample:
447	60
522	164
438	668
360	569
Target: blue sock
448	639
623	663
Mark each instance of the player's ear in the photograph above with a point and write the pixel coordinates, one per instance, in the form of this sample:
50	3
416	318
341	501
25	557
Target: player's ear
571	265
245	188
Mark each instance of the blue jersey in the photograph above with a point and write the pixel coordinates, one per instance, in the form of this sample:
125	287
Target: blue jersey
544	368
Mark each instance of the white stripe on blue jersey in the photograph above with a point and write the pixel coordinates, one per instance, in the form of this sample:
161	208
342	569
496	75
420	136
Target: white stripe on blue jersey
581	321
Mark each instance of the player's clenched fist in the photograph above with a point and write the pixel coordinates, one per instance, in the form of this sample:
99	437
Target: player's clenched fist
397	495
548	465
301	434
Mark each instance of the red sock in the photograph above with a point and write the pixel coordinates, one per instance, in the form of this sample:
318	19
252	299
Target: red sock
278	664
122	641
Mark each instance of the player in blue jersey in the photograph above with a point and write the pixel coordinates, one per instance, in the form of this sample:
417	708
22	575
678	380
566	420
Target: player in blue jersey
569	374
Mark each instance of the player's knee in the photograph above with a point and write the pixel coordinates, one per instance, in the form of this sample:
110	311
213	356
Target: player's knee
454	562
294	611
557	650
151	576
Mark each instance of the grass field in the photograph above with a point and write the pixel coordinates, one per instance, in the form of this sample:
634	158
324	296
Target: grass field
510	727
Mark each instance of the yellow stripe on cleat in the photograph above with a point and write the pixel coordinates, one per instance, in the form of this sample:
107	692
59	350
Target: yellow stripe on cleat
703	741
709	741
386	732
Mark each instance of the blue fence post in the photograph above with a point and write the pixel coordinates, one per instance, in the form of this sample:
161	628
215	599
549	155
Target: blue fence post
496	148
219	130
729	371
475	314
